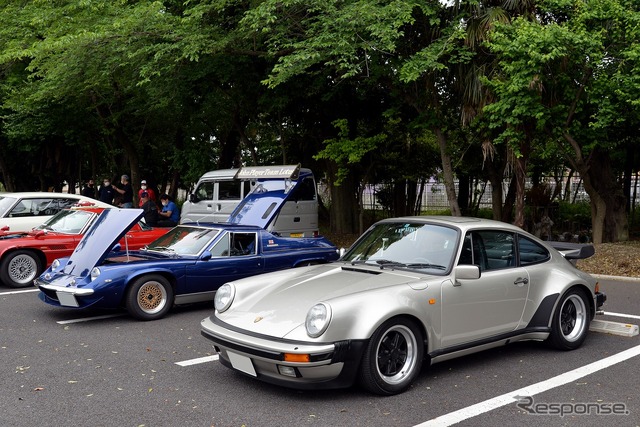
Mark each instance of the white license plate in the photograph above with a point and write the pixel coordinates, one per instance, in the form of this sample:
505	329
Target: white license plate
67	299
241	363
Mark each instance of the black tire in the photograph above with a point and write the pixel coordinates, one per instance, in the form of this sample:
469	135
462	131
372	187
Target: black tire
393	358
570	323
150	297
19	268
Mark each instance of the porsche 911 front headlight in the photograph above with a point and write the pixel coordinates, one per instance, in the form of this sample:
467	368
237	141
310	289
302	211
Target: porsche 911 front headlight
318	319
224	297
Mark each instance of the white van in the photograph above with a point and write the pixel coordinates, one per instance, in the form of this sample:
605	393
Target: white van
281	199
216	195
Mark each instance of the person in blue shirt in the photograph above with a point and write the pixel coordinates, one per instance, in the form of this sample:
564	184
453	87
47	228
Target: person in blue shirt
169	215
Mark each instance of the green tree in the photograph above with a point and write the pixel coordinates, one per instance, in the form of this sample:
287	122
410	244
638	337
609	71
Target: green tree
560	84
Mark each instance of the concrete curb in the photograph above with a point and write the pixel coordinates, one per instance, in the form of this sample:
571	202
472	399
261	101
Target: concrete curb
619	278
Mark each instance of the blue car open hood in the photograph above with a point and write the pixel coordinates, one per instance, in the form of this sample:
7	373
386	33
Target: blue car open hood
272	190
100	238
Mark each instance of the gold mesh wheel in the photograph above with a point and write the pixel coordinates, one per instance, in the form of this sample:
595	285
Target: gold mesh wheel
152	297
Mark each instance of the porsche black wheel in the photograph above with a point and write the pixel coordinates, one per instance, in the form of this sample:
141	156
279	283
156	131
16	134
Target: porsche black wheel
149	297
393	357
571	319
19	268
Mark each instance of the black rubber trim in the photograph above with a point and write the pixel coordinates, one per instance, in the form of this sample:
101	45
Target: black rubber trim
544	312
490	340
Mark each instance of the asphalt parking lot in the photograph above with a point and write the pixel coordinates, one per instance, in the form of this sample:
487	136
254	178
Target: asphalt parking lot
97	368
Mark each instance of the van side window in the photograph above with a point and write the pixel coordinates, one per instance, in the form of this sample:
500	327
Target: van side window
205	191
229	190
306	190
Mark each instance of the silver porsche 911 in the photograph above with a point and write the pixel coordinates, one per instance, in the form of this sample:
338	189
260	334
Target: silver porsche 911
409	289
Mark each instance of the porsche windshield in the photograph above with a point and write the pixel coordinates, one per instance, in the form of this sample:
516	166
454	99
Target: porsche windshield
183	240
68	222
415	246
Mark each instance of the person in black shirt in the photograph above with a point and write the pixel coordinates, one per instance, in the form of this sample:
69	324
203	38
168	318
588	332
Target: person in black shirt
89	189
126	191
150	209
106	192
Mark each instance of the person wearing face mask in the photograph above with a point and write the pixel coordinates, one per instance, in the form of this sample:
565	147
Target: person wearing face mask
144	188
89	189
106	192
169	215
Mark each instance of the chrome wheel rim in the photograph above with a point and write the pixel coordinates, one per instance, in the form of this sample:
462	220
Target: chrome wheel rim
396	354
23	269
573	317
152	297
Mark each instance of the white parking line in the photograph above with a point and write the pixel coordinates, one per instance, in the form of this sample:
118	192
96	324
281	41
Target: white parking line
629	316
19	292
198	360
88	319
512	397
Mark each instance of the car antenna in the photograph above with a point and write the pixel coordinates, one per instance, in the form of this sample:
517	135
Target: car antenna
126	245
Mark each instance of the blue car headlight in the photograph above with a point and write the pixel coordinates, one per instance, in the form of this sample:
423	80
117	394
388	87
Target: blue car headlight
224	297
318	319
95	273
55	265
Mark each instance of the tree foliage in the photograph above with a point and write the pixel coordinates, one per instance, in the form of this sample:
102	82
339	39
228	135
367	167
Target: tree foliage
365	92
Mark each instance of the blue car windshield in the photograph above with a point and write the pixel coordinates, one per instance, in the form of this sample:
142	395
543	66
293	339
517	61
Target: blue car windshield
417	246
184	240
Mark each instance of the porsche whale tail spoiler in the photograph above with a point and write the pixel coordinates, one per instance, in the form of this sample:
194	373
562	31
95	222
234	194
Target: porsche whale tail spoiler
574	251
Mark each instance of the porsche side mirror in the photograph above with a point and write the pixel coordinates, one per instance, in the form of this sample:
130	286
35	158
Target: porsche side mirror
116	248
465	272
206	256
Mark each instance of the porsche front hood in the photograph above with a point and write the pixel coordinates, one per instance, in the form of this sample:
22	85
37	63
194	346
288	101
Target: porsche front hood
280	306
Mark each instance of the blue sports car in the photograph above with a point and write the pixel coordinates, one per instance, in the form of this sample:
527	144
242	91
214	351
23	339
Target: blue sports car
188	264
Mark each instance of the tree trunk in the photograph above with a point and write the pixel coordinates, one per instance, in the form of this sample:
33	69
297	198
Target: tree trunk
447	172
464	193
509	201
521	174
343	212
609	221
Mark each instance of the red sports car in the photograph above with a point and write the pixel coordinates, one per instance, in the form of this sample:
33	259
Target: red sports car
25	255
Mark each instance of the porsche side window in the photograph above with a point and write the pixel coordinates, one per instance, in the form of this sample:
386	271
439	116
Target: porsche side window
496	249
531	252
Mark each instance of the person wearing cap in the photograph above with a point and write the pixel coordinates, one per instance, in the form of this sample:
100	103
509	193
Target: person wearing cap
169	215
150	209
126	191
143	187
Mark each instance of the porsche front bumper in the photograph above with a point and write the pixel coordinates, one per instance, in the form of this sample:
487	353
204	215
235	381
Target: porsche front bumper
326	365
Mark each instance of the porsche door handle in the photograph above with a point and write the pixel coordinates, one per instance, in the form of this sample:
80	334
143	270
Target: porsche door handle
521	281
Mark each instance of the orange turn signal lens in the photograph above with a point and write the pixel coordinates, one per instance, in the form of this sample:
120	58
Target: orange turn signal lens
292	357
597	289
